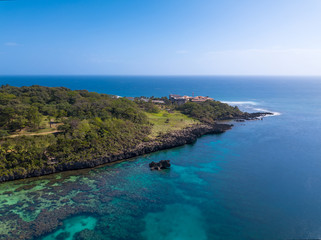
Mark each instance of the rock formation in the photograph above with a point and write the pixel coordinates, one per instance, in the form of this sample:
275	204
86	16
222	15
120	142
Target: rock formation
163	164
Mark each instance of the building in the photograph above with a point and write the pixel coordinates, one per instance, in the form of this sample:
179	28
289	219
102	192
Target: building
173	97
130	98
177	99
144	99
201	99
158	101
187	97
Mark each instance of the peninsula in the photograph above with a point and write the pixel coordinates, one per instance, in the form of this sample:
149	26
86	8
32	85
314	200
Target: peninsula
45	130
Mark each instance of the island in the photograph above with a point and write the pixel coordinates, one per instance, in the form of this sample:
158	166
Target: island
44	130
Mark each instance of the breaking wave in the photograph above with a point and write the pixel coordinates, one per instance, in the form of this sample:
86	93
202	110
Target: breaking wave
251	106
265	110
237	103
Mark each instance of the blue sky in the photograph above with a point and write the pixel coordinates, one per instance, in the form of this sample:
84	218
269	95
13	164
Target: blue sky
160	37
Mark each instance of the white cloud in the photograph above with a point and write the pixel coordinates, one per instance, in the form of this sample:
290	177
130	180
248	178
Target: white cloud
12	44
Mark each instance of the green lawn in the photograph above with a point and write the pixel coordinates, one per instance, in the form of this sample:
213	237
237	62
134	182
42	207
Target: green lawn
166	122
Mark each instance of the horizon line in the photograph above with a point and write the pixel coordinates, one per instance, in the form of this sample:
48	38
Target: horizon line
149	75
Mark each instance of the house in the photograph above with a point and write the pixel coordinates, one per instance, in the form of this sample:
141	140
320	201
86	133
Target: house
158	101
144	99
187	97
177	99
115	96
173	96
130	98
201	99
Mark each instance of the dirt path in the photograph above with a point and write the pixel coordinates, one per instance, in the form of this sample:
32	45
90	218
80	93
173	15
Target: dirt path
34	134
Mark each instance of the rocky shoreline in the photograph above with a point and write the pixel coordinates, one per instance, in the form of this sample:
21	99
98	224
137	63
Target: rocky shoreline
167	141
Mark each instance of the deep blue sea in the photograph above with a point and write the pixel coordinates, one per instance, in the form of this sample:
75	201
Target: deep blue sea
260	180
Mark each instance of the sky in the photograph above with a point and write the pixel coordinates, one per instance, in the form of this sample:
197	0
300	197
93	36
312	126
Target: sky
160	37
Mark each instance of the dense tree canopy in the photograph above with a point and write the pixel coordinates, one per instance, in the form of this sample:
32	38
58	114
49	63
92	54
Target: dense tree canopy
88	125
209	111
92	125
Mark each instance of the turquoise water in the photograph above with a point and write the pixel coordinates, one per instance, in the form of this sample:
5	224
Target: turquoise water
260	180
72	226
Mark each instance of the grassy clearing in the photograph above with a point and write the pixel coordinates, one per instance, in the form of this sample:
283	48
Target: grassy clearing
165	122
43	130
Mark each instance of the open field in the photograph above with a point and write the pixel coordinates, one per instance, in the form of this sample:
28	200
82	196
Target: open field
166	122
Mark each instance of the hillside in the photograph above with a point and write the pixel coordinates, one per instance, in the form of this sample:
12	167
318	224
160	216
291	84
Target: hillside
47	127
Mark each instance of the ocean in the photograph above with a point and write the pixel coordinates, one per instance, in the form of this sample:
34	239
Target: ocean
260	180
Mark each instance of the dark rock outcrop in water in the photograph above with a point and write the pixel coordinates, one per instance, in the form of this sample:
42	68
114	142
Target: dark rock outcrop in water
251	116
166	141
163	164
256	115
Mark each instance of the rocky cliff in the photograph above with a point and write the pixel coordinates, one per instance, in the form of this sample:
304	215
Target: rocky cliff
169	140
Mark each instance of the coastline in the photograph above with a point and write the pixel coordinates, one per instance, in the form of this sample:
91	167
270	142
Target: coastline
167	141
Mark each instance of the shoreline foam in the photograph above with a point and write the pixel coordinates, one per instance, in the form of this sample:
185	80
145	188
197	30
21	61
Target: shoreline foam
250	105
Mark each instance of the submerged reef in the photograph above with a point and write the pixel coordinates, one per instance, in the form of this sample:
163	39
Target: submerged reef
34	208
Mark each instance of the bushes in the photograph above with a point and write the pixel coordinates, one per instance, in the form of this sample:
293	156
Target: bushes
148	106
24	152
209	111
97	137
59	102
94	125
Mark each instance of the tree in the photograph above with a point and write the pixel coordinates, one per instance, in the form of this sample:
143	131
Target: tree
34	117
18	123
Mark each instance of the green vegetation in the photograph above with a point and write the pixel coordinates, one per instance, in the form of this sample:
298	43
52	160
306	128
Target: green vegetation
45	127
88	125
210	111
165	122
148	106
